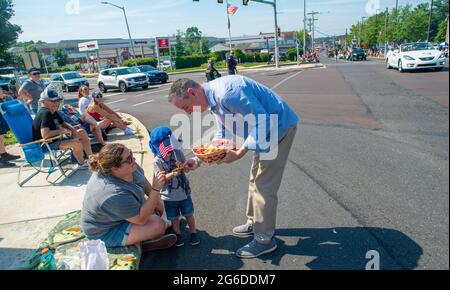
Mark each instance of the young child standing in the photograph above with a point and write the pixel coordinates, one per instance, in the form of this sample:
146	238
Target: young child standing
177	192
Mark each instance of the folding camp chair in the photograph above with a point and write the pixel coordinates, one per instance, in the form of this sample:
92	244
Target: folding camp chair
21	123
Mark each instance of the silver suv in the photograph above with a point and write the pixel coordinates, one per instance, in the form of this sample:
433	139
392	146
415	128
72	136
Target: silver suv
123	78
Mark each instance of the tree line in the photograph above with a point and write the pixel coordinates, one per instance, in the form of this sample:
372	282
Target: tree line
405	24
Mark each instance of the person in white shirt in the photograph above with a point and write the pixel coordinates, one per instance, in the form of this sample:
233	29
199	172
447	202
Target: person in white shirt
84	100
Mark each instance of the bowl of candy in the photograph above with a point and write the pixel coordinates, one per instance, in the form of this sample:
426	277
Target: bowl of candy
214	151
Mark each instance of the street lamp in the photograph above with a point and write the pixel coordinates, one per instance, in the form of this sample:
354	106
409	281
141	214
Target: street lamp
360	30
128	27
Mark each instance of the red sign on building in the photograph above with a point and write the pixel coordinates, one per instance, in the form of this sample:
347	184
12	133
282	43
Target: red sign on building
163	42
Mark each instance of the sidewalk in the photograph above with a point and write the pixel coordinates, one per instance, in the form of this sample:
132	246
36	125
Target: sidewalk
27	214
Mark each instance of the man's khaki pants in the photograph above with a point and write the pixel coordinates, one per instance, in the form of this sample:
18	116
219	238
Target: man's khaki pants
265	181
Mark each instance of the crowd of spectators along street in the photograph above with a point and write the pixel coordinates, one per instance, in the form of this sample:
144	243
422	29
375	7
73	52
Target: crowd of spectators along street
52	119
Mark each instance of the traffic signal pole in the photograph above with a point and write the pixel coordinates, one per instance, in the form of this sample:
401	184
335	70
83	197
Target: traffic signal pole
277	50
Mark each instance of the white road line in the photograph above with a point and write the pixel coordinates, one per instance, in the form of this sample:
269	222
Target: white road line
149	93
112	95
118	101
285	80
143	103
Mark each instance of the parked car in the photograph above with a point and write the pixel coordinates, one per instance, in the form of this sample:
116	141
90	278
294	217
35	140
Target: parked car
154	75
5	82
413	56
71	81
8	71
123	78
165	65
358	54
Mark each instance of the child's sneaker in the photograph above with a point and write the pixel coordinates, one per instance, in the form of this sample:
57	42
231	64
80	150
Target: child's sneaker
179	242
194	239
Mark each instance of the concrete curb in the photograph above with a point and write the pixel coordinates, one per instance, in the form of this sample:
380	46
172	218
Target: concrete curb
28	214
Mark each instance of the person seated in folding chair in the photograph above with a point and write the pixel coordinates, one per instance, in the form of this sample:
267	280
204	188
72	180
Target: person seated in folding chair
5	157
48	124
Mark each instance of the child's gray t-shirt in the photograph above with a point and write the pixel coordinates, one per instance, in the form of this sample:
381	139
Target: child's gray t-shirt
175	190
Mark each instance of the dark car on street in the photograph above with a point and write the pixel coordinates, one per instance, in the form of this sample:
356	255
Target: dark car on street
154	75
358	54
5	82
71	81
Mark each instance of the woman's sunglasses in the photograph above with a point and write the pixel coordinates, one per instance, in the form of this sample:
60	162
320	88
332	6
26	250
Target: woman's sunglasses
129	160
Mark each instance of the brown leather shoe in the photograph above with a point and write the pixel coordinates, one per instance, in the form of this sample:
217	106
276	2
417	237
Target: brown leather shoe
162	243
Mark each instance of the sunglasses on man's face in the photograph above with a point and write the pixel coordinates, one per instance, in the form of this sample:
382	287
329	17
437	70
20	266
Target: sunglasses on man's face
36	74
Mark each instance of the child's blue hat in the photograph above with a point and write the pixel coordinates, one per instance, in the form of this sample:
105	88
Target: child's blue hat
158	135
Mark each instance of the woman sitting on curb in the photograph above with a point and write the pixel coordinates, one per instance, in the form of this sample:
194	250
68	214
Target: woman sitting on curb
121	207
93	110
84	99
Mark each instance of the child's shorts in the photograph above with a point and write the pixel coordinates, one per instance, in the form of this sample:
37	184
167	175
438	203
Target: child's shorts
174	209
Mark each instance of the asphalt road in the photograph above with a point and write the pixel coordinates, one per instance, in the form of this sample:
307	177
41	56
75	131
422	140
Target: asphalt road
369	171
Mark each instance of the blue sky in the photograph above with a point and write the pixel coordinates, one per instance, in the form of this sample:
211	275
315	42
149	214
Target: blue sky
54	20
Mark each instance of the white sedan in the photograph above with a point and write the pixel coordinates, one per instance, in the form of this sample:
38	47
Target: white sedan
413	56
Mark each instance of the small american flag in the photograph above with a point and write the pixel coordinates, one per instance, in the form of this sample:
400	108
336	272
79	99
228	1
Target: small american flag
232	9
165	148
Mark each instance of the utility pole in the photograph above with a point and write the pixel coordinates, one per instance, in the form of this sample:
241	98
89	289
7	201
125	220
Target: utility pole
429	21
313	19
385	31
346	37
310	29
360	30
304	26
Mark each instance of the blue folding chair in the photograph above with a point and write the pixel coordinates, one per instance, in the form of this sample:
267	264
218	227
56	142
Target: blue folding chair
20	122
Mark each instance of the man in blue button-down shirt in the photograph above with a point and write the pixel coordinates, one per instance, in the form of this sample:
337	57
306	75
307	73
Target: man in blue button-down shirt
242	100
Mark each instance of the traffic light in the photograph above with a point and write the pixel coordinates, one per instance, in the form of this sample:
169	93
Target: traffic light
279	32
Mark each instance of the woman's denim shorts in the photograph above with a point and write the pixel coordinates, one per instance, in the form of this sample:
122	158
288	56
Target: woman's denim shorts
118	236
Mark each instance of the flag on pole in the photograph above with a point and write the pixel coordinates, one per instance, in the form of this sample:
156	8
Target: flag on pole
232	9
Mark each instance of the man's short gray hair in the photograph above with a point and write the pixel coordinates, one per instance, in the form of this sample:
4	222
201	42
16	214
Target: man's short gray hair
180	87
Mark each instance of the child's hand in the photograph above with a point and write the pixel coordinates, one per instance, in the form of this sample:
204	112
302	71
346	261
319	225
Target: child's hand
190	165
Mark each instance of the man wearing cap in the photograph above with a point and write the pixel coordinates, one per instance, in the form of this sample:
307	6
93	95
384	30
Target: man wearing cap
32	89
48	124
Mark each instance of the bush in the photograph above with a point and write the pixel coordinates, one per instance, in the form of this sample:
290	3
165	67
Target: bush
77	67
190	61
141	61
219	55
265	57
291	54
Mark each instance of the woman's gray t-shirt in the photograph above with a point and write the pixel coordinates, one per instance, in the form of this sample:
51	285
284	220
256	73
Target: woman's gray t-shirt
110	201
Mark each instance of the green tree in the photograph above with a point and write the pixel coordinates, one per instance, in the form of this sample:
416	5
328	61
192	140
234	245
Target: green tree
193	38
442	31
300	37
179	46
9	32
61	57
